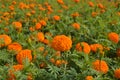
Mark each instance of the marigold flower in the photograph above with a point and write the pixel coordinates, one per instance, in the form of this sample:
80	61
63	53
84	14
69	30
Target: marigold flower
100	6
89	78
76	14
37	26
40	36
76	26
96	47
56	17
14	46
91	4
45	41
23	54
17	25
117	73
61	43
94	14
83	46
118	52
17	67
100	66
43	22
60	1
76	1
114	37
5	40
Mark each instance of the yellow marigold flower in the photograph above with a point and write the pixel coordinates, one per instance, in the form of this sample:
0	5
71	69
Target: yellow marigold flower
89	78
61	43
117	73
100	66
113	37
6	40
83	46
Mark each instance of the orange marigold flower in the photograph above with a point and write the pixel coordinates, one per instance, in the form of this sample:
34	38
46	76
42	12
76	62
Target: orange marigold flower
100	66
14	46
61	43
83	46
100	6
23	54
114	37
76	14
91	4
17	67
56	17
96	47
117	73
31	29
11	7
76	26
40	36
17	25
5	40
37	26
46	41
118	52
76	1
60	1
94	14
89	78
43	22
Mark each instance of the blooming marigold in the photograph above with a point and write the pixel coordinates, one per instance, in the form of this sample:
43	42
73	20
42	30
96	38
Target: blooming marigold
118	52
61	43
14	46
76	1
89	78
23	54
76	26
94	14
117	73
91	4
5	40
37	26
75	14
56	17
96	47
60	1
43	22
17	67
100	6
40	36
83	46
100	66
17	25
114	37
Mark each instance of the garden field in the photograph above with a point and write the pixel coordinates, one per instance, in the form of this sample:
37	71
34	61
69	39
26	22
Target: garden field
59	40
